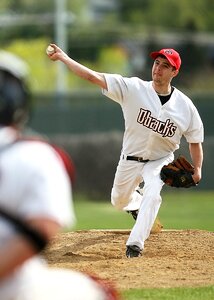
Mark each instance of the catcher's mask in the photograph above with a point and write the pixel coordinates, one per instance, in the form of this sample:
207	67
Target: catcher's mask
14	95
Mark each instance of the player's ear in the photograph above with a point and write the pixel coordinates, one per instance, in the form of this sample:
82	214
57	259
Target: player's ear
175	72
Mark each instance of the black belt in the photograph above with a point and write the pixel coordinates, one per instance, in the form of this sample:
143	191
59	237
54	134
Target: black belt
139	159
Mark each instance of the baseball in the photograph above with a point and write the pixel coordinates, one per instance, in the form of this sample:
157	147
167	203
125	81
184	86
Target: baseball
50	50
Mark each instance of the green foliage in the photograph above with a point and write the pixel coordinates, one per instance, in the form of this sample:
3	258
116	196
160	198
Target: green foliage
42	71
26	6
113	59
95	42
193	15
189	15
77	5
200	293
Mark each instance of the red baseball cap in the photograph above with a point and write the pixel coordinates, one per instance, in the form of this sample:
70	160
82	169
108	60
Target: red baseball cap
171	55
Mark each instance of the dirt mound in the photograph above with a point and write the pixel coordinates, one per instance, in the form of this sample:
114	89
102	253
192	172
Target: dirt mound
170	259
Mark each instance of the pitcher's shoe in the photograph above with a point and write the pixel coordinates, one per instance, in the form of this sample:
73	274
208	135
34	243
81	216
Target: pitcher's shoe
133	251
134	213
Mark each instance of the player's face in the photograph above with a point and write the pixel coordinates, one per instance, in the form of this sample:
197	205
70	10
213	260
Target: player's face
163	71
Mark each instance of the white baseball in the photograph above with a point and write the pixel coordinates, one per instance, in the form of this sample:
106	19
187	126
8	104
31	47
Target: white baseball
50	50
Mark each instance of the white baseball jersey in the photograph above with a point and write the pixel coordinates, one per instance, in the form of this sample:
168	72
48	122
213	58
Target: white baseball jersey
153	130
33	182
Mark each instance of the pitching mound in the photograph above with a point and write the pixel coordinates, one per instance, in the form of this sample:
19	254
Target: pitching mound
171	258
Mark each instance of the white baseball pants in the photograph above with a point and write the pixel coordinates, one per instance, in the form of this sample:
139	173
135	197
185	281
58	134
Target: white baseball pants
128	176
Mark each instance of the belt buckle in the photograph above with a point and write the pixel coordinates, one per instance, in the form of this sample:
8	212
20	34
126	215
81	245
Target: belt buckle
140	159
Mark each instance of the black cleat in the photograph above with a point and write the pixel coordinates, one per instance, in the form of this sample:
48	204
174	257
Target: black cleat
134	213
133	251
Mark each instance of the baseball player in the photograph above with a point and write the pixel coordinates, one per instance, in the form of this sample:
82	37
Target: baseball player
35	204
156	116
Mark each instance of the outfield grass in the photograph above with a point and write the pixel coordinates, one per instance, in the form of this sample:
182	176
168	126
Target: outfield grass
203	293
180	209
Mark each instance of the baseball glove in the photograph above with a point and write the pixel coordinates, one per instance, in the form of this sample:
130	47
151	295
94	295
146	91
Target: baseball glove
178	173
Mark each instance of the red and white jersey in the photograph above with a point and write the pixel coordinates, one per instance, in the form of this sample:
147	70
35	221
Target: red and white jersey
153	130
33	182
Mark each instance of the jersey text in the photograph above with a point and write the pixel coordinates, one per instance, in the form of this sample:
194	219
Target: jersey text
166	128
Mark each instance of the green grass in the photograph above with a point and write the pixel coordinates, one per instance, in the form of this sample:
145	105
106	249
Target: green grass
188	210
180	209
203	293
99	215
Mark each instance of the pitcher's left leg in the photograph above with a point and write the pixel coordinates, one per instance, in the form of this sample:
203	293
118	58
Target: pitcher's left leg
150	204
146	216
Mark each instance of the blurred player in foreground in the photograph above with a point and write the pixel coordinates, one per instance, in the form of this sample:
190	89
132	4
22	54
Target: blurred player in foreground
35	204
156	116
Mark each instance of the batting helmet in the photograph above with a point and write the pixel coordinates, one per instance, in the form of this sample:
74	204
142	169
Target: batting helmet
14	94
